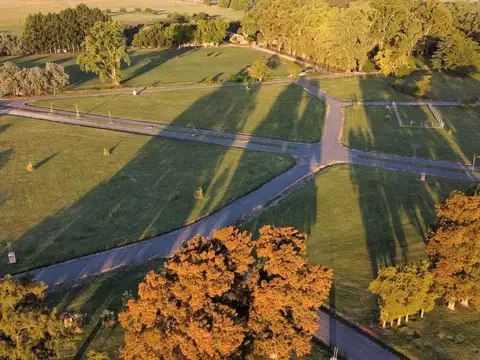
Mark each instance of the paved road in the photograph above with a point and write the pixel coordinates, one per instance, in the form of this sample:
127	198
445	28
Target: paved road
310	159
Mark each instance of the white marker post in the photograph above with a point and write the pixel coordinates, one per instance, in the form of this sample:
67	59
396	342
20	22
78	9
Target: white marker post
78	112
11	255
423	176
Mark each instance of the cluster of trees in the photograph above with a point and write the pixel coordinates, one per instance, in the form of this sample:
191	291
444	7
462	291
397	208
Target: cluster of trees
64	31
175	35
10	45
390	32
28	329
229	297
452	272
32	81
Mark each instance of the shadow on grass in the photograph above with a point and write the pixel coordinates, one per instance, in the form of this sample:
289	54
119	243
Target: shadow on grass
151	194
46	160
154	62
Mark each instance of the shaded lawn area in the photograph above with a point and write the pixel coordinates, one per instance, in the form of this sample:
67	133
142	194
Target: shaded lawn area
282	111
443	87
92	296
157	67
375	128
78	201
359	219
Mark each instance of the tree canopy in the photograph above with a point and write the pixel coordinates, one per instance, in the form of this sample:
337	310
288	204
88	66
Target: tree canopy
28	330
404	291
454	248
63	31
228	297
104	51
344	38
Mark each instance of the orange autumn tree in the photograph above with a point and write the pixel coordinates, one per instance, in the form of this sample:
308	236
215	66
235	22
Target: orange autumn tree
228	297
454	248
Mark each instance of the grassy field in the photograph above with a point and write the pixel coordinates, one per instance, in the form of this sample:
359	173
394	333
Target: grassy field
158	67
375	128
277	111
443	87
105	292
359	219
13	13
78	201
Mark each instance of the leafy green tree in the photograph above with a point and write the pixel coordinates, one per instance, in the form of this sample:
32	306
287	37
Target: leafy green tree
229	297
259	69
243	5
454	248
10	45
104	51
28	329
458	53
404	291
211	32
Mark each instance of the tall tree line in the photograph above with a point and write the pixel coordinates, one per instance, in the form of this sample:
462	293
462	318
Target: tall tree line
62	31
392	32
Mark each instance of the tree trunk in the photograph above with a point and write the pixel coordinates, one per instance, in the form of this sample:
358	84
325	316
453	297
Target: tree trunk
399	321
384	324
406	318
451	305
391	323
464	302
422	313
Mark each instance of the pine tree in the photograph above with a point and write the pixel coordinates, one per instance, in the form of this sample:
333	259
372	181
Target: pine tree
228	297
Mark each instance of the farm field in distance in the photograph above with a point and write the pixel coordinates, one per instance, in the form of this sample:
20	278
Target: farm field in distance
359	219
375	128
281	111
13	13
159	67
78	201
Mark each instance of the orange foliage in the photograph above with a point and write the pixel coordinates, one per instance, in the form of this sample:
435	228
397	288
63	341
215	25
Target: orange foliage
227	298
454	247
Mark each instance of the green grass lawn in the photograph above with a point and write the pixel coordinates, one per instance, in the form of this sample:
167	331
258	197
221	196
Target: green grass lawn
159	67
78	201
375	128
13	13
359	219
276	111
443	87
91	297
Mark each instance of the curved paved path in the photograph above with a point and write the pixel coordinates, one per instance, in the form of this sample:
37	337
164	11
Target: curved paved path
310	159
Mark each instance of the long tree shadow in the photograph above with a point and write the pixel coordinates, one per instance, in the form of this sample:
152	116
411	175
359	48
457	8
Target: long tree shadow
151	194
153	61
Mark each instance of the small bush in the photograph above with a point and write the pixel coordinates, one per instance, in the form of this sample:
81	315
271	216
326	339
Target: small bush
411	87
459	338
106	152
108	318
208	2
123	10
29	166
403	72
138	9
199	194
97	355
